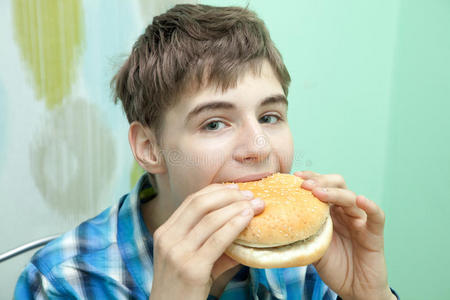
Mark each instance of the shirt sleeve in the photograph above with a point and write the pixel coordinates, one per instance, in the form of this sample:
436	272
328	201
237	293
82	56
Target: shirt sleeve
32	284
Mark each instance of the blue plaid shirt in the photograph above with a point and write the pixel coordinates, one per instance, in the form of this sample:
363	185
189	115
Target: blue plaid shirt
111	257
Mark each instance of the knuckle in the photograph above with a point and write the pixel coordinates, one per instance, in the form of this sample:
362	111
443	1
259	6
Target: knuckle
308	173
339	179
237	195
198	203
159	242
382	215
240	206
216	241
209	220
173	258
236	222
230	192
157	235
315	174
214	187
190	197
160	246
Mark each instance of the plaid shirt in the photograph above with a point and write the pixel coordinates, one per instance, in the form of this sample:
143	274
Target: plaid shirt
111	257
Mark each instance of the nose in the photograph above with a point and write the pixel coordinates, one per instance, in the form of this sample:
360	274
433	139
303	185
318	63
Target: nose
253	143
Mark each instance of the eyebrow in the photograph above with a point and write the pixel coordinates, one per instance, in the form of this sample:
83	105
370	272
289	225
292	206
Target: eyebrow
216	105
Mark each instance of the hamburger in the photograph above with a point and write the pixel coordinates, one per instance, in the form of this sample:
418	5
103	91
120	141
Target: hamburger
295	228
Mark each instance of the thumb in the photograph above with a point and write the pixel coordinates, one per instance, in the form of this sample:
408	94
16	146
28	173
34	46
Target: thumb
223	264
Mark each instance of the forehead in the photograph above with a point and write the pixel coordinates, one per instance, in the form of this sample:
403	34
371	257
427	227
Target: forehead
253	85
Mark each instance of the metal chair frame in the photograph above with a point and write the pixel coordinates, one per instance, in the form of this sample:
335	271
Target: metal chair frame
26	247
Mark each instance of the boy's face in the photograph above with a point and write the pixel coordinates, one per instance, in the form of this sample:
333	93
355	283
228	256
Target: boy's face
244	132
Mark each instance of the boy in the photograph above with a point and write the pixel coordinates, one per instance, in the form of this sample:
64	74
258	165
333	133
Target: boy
197	66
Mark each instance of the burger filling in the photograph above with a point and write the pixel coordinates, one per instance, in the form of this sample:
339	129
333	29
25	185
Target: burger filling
295	243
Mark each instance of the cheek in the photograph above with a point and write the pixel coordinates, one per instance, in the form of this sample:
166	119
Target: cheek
211	152
191	152
283	146
208	155
196	163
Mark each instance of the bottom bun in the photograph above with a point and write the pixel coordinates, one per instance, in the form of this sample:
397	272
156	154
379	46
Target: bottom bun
297	254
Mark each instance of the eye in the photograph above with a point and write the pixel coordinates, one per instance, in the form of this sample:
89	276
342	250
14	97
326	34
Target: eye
267	118
213	126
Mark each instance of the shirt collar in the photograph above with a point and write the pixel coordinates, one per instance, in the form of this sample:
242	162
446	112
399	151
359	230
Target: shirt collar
134	240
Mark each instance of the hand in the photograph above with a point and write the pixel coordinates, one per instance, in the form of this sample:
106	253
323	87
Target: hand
354	265
189	247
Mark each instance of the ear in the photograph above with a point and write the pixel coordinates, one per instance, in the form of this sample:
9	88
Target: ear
145	148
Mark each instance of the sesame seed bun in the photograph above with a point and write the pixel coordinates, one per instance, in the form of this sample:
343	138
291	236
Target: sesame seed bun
295	228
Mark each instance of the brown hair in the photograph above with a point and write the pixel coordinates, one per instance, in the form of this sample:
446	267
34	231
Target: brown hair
186	48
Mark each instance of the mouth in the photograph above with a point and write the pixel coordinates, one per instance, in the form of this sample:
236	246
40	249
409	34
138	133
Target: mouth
251	177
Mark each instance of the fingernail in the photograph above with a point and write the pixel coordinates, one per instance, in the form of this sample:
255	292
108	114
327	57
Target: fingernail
257	203
324	190
247	194
233	186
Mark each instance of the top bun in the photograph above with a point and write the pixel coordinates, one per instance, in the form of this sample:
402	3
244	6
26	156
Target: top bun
290	214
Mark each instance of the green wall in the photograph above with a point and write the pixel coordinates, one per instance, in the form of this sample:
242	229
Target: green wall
370	80
370	100
417	179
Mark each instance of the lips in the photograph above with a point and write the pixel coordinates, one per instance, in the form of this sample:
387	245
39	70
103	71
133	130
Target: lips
252	177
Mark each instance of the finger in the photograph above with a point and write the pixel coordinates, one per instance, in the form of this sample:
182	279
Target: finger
208	189
340	197
306	174
223	264
213	221
180	210
200	206
218	242
340	220
326	180
215	187
375	215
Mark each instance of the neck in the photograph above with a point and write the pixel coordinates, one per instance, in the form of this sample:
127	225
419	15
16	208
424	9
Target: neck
156	212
